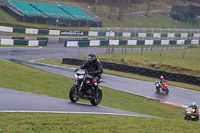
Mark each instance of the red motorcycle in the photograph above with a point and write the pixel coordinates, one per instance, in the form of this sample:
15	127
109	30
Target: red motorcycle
162	86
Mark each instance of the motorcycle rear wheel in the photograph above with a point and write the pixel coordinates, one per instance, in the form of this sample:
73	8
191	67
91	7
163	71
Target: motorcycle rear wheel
96	101
73	94
195	119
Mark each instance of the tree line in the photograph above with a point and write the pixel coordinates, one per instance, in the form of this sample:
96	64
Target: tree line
122	5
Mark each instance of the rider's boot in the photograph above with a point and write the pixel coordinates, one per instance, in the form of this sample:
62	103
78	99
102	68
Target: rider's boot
95	87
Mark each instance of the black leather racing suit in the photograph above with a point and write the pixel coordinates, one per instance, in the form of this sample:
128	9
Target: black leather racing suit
95	68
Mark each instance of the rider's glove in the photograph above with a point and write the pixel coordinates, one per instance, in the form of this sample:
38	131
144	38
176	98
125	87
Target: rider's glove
92	72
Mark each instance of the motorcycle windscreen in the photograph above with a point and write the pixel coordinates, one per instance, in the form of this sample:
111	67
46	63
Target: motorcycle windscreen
80	72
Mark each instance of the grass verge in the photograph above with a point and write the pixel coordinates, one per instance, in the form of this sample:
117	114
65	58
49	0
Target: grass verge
41	82
32	80
82	123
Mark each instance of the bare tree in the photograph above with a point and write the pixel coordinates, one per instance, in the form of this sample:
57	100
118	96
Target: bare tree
95	5
126	3
148	7
184	1
111	8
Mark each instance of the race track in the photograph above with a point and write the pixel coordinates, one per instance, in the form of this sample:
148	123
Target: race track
17	101
147	89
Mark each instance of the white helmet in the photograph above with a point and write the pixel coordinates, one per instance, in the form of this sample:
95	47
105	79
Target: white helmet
193	104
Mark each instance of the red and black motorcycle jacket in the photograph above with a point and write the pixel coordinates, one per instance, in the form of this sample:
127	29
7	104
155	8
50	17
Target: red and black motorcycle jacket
161	81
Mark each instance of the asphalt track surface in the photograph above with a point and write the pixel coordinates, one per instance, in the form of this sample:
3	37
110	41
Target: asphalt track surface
17	101
147	89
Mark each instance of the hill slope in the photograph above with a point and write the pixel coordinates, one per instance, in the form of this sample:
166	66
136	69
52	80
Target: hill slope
155	20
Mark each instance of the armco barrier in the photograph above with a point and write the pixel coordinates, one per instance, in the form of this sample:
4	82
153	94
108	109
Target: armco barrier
100	33
23	42
86	43
185	78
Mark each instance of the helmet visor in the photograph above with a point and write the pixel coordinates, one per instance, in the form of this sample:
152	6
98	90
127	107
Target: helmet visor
91	59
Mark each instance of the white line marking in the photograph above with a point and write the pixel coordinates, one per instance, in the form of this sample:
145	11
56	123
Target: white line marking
64	112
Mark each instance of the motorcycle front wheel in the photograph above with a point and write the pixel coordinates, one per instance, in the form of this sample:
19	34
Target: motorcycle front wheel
96	101
158	89
166	91
73	94
187	118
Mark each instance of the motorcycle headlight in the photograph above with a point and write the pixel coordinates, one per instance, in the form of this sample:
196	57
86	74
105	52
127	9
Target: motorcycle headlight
79	77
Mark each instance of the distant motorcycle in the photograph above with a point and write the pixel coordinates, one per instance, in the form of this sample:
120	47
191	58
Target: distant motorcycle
190	114
83	88
163	86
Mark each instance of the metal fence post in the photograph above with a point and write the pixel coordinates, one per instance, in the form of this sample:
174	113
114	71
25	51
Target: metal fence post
65	45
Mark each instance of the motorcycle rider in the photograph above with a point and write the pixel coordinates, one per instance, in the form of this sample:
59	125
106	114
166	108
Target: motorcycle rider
161	80
93	67
194	106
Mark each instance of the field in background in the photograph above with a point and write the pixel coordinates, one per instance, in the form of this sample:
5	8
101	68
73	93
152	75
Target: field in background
156	20
174	60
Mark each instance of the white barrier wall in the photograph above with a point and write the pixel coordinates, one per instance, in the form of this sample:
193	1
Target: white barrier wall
158	35
164	42
148	42
195	42
6	29
132	42
54	32
72	44
7	42
33	43
196	35
184	35
171	35
110	34
94	42
31	31
93	33
142	34
113	42
126	34
180	42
